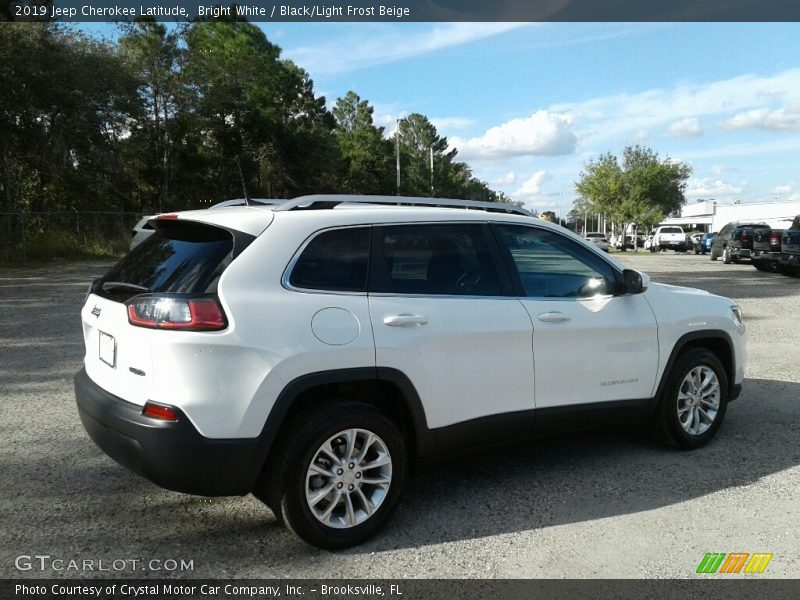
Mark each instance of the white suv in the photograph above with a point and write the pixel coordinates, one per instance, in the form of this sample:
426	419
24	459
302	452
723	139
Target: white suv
308	352
669	236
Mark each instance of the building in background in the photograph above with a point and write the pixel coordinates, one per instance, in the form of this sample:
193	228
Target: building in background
709	215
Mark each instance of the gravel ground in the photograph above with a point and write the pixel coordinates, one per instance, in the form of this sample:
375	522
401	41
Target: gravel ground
607	503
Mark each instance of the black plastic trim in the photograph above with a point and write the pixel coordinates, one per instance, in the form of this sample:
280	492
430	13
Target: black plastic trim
691	337
425	441
582	416
171	454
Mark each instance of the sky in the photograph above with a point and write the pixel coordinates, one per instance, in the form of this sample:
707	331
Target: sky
527	105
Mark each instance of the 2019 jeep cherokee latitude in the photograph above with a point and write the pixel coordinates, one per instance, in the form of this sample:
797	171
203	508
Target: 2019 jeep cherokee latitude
306	352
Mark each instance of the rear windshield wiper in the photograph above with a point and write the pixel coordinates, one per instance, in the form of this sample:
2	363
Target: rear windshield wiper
115	286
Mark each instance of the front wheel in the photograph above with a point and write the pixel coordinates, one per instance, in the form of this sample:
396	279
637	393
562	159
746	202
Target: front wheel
694	400
340	474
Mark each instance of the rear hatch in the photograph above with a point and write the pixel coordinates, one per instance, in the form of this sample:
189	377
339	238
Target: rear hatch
744	235
763	240
182	260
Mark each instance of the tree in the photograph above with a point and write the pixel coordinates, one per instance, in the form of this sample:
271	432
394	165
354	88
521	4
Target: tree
418	138
643	189
153	54
549	215
368	158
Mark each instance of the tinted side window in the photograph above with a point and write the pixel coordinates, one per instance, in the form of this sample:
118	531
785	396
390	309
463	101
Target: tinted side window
435	259
335	260
552	266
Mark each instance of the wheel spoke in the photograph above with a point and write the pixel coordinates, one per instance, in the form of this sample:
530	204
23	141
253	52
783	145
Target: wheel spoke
350	436
318	470
379	480
329	450
365	448
350	513
378	462
368	507
319	495
326	515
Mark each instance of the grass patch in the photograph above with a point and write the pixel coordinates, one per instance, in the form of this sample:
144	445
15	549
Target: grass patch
61	245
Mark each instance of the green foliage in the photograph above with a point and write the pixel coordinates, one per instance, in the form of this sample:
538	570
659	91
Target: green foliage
642	190
178	118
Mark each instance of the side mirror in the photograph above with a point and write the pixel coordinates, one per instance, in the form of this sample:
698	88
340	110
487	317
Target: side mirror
632	282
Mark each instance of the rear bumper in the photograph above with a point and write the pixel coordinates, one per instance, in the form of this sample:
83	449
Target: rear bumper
767	256
789	260
741	252
672	244
171	454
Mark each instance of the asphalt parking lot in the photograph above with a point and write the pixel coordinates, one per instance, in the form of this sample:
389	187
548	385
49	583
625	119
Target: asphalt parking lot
607	503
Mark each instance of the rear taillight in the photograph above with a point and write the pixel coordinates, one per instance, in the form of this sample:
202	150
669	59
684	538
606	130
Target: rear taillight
157	311
159	411
774	239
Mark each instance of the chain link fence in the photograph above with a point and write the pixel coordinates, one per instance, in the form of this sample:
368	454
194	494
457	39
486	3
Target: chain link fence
44	235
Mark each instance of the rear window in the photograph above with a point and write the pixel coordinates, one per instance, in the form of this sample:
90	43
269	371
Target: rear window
179	257
671	230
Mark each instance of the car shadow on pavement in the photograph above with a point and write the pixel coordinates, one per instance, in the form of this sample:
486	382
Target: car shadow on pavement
593	475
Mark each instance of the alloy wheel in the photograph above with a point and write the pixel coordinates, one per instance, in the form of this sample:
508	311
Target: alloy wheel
698	400
348	478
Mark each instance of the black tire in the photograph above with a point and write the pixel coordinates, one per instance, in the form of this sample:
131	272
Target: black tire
300	444
696	251
726	255
761	266
713	256
667	419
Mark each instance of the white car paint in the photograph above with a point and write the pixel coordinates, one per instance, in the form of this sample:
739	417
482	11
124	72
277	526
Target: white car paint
472	357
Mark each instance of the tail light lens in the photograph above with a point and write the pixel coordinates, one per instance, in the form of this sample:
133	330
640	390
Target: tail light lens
159	311
774	239
159	411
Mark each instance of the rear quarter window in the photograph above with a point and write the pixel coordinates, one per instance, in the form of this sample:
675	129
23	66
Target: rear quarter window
335	260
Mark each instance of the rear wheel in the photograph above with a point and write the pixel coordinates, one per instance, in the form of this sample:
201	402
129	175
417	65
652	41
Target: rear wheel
761	266
726	255
339	474
694	400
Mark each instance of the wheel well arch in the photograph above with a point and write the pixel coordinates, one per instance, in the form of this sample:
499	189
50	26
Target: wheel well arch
388	390
716	341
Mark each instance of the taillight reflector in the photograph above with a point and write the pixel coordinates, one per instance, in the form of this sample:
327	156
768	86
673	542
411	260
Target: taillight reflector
159	411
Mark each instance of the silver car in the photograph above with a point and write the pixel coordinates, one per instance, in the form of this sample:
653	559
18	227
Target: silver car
599	239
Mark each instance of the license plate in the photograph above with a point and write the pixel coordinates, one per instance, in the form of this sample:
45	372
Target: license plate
108	349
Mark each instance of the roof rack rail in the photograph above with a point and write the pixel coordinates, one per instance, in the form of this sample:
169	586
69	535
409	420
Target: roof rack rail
324	201
249	202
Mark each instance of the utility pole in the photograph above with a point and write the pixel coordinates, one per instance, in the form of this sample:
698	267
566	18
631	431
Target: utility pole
397	147
431	148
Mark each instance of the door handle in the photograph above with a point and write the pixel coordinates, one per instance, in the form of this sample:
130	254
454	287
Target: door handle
404	320
553	317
